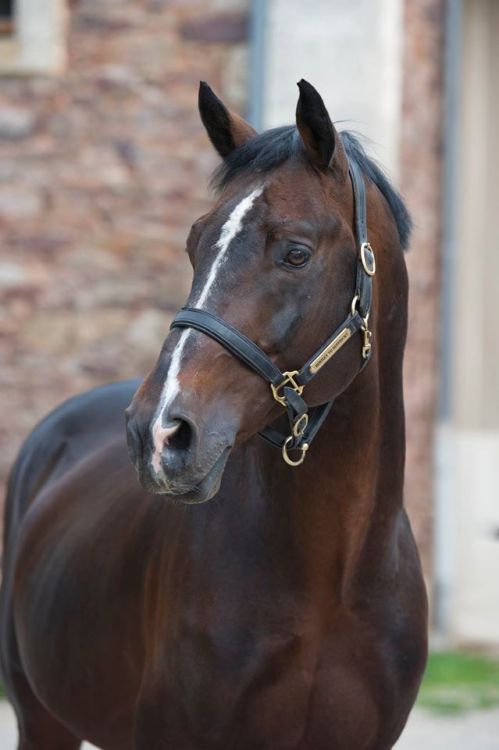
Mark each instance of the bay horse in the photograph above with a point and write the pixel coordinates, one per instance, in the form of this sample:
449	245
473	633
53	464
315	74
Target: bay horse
289	612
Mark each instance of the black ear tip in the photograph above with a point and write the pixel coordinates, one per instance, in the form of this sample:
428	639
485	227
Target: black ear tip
207	95
307	91
205	91
208	98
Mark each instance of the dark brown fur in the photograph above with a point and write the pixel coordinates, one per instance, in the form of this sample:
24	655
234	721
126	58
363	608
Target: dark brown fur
287	612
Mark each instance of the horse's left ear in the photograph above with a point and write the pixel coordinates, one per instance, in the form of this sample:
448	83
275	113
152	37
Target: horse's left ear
321	140
226	130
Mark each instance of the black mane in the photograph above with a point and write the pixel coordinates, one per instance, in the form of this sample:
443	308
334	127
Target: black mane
270	149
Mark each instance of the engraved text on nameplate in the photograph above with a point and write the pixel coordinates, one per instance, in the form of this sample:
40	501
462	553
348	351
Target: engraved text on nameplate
331	349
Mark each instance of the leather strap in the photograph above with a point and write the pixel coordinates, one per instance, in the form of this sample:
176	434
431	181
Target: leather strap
352	324
317	418
359	202
363	285
232	339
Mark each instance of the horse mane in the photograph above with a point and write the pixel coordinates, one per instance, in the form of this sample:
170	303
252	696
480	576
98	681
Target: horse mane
268	150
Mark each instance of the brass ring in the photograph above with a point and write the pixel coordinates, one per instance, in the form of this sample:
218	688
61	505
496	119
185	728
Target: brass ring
369	269
300	426
303	448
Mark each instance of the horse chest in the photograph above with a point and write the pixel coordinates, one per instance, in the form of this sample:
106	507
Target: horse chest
245	691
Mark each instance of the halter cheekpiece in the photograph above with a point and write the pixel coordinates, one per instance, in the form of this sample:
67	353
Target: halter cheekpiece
287	387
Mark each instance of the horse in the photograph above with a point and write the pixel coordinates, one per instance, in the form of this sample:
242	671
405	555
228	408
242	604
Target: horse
289	611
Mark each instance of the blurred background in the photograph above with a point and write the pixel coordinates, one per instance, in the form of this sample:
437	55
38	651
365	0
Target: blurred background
104	165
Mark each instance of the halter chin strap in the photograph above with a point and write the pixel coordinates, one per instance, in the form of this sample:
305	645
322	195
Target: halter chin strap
287	387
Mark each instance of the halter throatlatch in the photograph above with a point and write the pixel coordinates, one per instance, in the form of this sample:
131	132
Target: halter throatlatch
287	387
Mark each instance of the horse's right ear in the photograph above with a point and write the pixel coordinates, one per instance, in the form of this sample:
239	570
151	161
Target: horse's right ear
226	130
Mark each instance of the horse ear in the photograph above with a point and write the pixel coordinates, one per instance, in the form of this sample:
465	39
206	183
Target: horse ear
226	130
318	134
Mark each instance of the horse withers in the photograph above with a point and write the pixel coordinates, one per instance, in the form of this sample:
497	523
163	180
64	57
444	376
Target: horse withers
288	611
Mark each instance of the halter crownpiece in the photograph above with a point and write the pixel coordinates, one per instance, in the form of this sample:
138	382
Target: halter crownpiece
287	387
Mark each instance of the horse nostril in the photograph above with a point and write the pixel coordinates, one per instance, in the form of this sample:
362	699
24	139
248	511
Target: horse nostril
173	453
180	439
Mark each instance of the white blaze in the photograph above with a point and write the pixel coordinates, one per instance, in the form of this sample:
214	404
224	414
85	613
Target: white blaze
230	230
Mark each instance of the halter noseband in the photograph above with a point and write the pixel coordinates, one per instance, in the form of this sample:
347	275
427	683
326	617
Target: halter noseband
287	387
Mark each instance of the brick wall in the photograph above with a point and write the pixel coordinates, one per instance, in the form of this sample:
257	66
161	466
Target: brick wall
421	173
102	170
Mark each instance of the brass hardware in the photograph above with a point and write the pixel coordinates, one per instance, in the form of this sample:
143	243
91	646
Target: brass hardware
303	448
331	349
300	426
369	269
288	379
367	338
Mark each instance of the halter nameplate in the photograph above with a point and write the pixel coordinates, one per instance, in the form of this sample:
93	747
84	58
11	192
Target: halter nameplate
330	350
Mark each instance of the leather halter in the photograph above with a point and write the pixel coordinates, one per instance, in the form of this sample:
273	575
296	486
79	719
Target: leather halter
287	387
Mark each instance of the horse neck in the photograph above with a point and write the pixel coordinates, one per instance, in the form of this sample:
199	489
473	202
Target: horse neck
341	506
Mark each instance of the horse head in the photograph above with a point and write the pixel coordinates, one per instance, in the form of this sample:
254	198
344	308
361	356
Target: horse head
276	258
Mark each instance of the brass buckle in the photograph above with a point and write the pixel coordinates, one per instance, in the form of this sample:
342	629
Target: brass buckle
288	379
369	269
367	334
303	448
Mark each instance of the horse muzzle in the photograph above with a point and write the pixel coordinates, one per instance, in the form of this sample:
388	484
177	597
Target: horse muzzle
178	458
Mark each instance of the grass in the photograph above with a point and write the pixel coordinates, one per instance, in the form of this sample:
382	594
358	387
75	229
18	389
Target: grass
456	682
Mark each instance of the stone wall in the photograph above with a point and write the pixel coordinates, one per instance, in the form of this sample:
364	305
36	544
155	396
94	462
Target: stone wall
102	170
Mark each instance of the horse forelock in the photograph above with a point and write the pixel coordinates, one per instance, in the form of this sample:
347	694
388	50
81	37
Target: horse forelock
267	151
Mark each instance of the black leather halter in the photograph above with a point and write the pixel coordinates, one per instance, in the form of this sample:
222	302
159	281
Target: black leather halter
287	387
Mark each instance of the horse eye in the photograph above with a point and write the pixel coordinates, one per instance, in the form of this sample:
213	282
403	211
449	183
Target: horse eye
297	257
